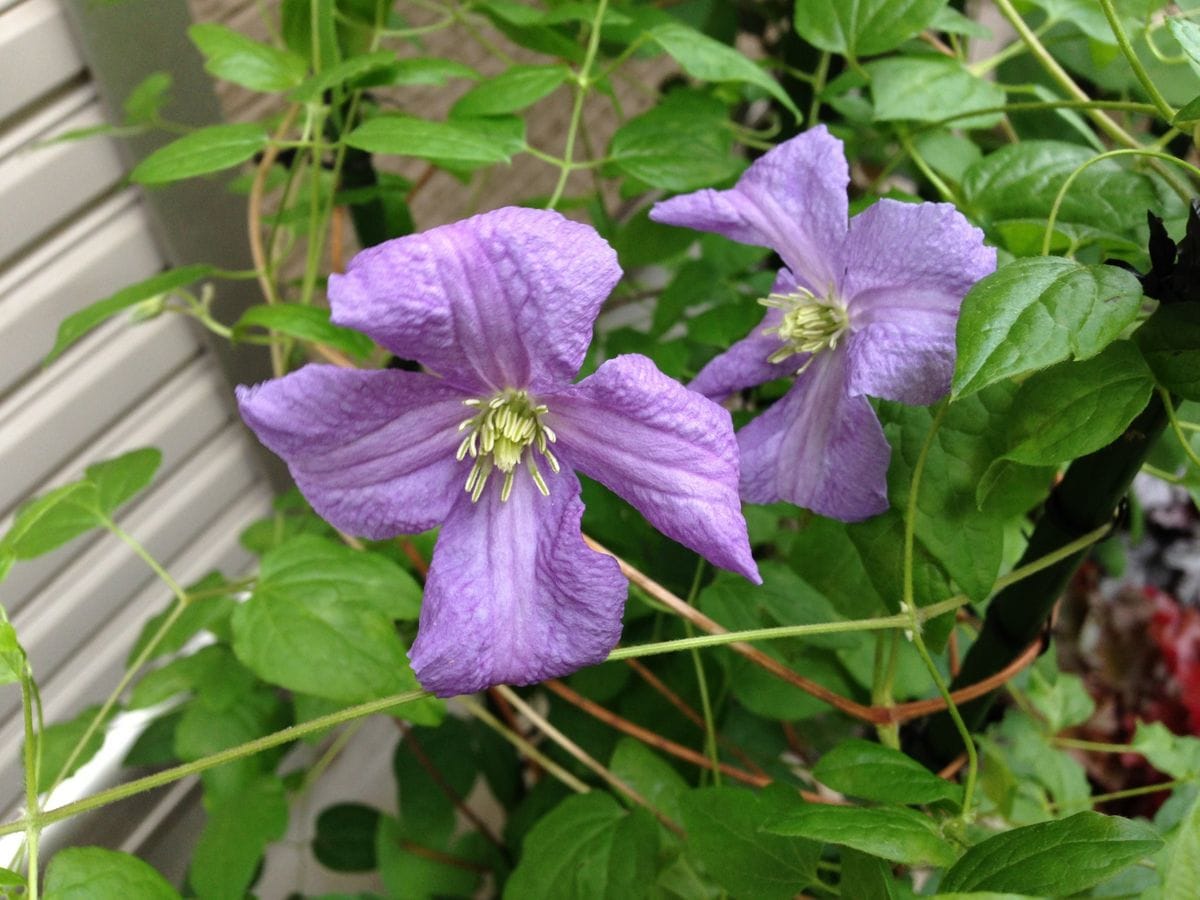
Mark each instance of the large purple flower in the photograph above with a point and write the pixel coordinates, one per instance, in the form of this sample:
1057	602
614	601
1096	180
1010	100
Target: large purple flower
865	307
500	307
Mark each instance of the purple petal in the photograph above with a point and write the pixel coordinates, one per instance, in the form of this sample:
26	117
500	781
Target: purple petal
792	199
745	364
818	447
912	259
373	451
513	595
667	450
897	361
503	299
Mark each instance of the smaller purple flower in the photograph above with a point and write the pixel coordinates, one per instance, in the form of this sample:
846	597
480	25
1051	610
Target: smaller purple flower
863	307
500	306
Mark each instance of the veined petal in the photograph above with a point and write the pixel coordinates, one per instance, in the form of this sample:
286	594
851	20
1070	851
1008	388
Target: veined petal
373	451
502	299
514	596
914	258
901	361
792	199
818	447
667	450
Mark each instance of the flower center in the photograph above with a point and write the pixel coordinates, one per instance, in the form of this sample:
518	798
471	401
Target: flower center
810	323
497	435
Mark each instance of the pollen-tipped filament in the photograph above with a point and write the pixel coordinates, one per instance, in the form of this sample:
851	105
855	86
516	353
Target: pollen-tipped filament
498	434
810	323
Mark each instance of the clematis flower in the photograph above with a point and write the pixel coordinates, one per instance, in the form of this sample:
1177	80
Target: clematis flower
500	307
865	307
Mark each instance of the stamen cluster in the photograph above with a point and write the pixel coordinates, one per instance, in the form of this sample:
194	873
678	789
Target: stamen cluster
810	323
497	436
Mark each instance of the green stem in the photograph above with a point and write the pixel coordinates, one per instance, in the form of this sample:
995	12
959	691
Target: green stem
1118	30
818	85
258	745
33	821
1134	792
1039	105
524	746
931	176
583	84
133	544
1169	405
710	729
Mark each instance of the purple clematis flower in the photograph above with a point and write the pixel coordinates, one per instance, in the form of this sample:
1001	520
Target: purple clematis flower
501	307
864	307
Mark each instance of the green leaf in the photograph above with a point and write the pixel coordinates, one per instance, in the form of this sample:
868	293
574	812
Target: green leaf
1057	858
49	521
709	60
431	70
681	144
93	873
80	323
345	837
9	878
1032	313
587	848
320	621
238	829
1183	868
408	136
860	768
120	478
1170	343
1062	703
927	89
1188	35
203	151
866	877
348	70
725	838
209	613
306	323
1187	114
424	805
513	90
862	27
1177	755
1074	408
650	775
146	100
407	869
1021	181
894	833
58	742
12	655
235	57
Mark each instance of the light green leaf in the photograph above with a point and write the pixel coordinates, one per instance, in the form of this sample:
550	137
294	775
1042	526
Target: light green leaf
1063	703
681	144
146	100
80	323
871	771
513	90
408	872
93	873
12	654
709	60
1032	313
1187	33
306	323
894	833
381	63
209	613
725	837
320	621
587	848
408	136
927	89
49	521
9	878
1177	755
862	27
207	150
1074	408
1170	342
238	829
120	478
431	70
650	775
233	56
58	742
1053	859
1183	868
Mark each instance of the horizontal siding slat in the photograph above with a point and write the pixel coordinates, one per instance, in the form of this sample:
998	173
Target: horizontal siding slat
37	53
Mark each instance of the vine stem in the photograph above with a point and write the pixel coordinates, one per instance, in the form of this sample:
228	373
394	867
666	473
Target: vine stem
583	84
522	745
33	820
1169	405
1118	30
710	729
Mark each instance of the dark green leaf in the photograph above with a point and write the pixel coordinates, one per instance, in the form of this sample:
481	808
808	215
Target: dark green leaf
710	60
1187	114
93	873
348	70
1170	342
894	833
9	878
345	837
725	838
410	870
1032	313
928	89
681	145
425	807
1053	859
80	323
407	136
513	90
306	323
587	848
862	27
210	613
871	771
233	56
650	775
58	743
866	877
207	150
1074	408
238	829
120	478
